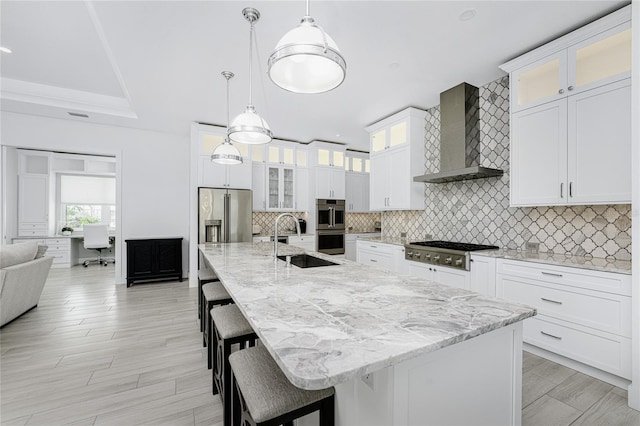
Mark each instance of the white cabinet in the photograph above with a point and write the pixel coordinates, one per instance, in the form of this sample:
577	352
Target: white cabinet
259	186
397	154
483	275
302	200
350	248
440	274
216	175
33	193
571	117
328	162
280	187
389	257
357	192
583	315
305	241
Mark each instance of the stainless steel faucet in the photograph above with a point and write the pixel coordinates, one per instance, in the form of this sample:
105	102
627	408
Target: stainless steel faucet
275	232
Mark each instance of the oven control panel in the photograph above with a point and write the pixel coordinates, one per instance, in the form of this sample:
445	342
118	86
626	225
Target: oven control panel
453	260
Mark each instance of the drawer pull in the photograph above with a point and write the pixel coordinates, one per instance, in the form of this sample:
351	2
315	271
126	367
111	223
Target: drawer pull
373	246
551	301
373	260
552	275
551	335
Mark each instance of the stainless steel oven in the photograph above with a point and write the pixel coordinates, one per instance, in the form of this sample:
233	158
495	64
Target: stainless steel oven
330	215
330	226
331	242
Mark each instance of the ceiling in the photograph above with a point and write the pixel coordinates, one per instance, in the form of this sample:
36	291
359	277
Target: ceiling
156	64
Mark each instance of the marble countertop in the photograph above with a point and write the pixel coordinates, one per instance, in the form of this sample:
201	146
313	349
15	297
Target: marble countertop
328	325
585	262
361	231
593	263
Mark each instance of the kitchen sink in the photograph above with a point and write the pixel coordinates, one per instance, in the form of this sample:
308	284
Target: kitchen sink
307	261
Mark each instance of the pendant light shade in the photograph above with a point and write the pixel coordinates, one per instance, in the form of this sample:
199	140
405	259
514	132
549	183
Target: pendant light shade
226	153
249	127
307	60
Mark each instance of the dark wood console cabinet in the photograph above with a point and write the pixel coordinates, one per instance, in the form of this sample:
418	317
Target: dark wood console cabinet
153	259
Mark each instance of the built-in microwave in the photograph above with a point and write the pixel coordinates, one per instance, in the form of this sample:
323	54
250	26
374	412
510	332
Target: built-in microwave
331	242
330	214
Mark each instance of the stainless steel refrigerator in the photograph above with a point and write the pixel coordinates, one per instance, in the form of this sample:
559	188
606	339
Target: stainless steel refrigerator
224	215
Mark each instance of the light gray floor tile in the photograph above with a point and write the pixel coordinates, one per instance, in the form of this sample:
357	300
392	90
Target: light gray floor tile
534	387
610	410
546	411
580	391
553	372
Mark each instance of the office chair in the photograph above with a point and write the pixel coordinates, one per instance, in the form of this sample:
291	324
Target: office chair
96	237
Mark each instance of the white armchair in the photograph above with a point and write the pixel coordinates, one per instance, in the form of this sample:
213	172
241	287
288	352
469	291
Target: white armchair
96	237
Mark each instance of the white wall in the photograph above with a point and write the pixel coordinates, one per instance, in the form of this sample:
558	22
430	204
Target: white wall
152	173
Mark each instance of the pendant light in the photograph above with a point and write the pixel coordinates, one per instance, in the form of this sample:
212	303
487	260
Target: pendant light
226	153
249	127
307	60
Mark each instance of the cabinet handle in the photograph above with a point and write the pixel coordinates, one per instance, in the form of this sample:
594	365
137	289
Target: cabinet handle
561	190
561	91
551	335
551	301
570	189
551	274
373	260
570	88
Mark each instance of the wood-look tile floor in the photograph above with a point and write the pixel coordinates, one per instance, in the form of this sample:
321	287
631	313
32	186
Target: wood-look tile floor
95	353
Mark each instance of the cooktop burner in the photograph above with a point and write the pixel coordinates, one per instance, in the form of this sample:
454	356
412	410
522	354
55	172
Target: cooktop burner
450	245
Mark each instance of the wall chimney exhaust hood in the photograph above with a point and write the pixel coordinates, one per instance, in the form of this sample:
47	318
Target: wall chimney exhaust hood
459	138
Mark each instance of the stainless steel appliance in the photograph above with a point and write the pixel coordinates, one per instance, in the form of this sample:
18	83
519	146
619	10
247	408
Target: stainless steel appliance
330	215
224	215
444	253
303	226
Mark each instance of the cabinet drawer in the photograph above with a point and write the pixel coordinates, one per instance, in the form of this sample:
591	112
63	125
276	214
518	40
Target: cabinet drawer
59	256
58	249
600	350
41	242
58	241
574	277
380	259
379	247
34	226
603	311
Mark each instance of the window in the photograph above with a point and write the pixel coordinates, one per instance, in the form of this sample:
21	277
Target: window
87	199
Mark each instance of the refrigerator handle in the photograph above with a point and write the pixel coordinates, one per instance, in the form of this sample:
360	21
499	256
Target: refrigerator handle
227	217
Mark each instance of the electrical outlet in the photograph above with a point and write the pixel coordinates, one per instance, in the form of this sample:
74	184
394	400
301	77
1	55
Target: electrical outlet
368	380
403	235
428	237
532	247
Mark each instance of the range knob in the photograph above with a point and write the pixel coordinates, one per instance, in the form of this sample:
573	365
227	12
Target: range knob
459	262
436	258
448	260
416	256
409	254
427	256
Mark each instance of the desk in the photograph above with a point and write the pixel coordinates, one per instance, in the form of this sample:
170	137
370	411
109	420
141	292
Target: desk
66	250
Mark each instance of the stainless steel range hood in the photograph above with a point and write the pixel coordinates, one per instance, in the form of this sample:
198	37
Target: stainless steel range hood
459	138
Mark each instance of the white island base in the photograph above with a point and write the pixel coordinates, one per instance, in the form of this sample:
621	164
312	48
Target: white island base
475	382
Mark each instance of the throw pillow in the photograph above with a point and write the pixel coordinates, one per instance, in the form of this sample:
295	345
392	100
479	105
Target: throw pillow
41	251
17	253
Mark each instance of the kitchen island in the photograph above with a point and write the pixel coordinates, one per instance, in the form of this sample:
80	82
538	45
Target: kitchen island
399	350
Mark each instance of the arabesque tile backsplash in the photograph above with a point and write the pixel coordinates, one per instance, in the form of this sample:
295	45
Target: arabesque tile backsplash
477	211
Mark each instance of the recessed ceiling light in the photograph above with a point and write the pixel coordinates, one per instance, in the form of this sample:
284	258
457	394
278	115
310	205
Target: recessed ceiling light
338	135
5	49
394	65
468	14
77	114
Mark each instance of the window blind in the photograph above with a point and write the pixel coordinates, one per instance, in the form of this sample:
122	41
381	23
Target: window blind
87	190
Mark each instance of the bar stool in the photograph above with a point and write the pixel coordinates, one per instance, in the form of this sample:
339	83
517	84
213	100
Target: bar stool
264	396
212	294
204	276
230	328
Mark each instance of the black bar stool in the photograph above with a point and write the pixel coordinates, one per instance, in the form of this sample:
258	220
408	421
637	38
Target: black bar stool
204	276
212	294
230	327
264	396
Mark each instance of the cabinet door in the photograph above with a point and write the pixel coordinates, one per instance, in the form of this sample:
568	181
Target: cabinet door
259	188
379	180
400	180
483	275
599	137
540	82
323	182
600	60
420	270
338	183
273	187
288	188
212	174
539	155
302	189
239	176
452	277
33	199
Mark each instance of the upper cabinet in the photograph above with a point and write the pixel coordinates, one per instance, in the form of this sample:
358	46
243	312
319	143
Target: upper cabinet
216	175
34	168
571	117
329	170
357	186
397	154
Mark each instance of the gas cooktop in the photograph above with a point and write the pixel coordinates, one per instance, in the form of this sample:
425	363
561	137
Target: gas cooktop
451	245
445	253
